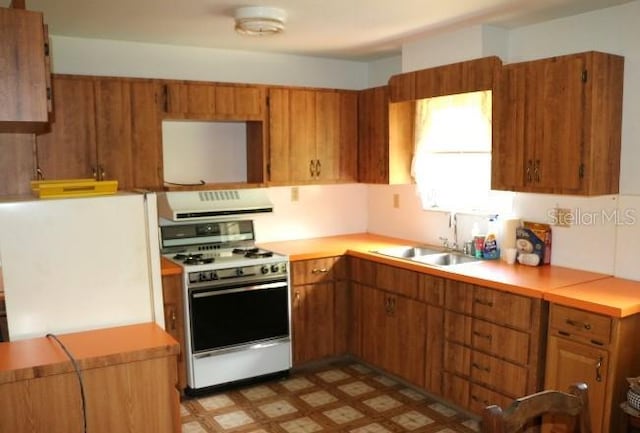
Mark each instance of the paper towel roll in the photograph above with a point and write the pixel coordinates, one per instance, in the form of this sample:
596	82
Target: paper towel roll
508	232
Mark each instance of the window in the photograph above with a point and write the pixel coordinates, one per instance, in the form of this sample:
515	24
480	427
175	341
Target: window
452	155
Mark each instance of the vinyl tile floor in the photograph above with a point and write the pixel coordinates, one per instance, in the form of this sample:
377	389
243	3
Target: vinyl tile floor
343	396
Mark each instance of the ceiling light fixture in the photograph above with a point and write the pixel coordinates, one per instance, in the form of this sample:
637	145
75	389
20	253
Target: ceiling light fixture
259	20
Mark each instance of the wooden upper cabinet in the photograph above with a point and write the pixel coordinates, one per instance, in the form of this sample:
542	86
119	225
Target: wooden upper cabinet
68	149
128	131
402	87
24	93
557	125
313	135
106	129
373	135
461	77
214	101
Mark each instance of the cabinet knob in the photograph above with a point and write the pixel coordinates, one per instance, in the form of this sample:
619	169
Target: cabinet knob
319	270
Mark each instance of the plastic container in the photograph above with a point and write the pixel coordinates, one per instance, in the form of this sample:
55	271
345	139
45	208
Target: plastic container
490	249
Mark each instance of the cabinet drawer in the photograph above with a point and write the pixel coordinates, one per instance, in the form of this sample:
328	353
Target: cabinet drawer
363	271
497	340
583	325
457	359
481	397
503	376
455	389
431	289
313	271
502	307
458	296
397	280
457	327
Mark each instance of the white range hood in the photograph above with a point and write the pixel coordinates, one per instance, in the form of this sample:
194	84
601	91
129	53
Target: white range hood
216	204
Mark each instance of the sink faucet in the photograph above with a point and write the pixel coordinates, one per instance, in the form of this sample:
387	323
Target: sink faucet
446	245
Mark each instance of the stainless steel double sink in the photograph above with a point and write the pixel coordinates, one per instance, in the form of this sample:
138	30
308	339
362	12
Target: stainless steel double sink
426	255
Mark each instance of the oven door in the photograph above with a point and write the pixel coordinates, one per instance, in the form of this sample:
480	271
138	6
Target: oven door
228	315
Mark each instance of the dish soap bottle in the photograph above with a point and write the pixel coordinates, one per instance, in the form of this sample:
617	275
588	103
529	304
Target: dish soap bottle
490	248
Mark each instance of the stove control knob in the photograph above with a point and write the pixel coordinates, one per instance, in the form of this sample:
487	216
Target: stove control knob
214	275
239	272
275	268
203	276
264	269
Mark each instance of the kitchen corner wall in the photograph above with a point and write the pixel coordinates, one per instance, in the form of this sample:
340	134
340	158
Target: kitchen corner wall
606	230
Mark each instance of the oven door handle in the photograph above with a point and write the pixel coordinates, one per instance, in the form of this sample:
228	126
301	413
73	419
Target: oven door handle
251	346
207	294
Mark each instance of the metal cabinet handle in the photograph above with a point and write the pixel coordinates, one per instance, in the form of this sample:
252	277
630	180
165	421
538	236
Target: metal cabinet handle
102	172
481	368
94	172
585	325
318	168
39	174
599	369
477	399
536	171
311	168
319	270
481	335
297	297
529	165
483	302
173	319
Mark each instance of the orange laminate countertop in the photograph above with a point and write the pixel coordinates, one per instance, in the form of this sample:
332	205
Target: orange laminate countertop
168	268
38	357
615	297
535	282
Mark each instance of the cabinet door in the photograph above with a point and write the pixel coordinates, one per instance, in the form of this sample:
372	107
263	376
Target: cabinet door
17	164
348	137
243	102
302	130
434	349
373	135
568	363
292	156
560	106
406	339
190	99
313	321
374	321
23	75
128	130
508	129
113	131
68	149
327	138
174	320
146	135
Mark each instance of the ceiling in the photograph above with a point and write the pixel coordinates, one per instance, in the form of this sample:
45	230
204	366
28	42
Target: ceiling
348	29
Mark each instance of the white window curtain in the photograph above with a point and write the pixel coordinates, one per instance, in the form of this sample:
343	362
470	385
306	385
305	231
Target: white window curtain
452	155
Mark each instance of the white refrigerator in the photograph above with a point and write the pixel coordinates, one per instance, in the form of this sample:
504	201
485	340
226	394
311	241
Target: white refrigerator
80	263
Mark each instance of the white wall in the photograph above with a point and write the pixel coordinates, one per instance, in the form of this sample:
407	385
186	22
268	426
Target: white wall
456	46
321	210
134	59
380	70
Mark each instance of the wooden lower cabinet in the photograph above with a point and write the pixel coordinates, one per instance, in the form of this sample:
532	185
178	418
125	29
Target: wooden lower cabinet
319	300
174	320
596	349
313	321
128	374
492	345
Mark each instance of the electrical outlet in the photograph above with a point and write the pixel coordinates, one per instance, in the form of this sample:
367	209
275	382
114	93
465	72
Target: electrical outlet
562	217
396	201
295	194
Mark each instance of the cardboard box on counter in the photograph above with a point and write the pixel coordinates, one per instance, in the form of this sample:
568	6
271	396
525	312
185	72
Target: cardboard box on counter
533	242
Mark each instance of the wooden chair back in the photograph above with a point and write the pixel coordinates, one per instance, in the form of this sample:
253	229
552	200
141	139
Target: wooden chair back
574	403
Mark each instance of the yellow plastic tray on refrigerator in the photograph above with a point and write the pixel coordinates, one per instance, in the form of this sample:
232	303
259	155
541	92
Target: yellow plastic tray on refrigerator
65	188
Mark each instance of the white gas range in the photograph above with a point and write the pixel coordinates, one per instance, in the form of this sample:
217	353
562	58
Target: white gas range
237	301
